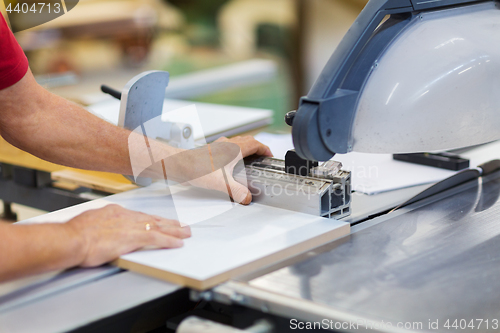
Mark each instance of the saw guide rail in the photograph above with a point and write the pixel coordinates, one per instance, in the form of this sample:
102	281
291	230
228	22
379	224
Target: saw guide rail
325	191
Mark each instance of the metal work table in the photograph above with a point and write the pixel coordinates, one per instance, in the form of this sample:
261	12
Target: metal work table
436	260
99	300
78	299
93	299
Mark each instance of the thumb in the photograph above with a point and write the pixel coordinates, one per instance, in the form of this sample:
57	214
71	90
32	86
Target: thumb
239	192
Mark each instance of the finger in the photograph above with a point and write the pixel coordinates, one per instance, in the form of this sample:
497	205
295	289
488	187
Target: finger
177	232
262	149
256	147
165	221
267	151
143	219
239	192
161	240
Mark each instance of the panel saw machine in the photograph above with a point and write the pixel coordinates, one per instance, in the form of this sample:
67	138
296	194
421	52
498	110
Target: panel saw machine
293	183
368	99
410	76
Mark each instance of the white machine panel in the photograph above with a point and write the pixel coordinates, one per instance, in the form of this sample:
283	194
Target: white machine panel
437	86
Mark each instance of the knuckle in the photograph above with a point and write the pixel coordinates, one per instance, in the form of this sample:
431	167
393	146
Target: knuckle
174	222
113	207
153	237
172	231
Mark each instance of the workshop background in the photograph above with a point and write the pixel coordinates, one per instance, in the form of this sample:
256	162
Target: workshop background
109	42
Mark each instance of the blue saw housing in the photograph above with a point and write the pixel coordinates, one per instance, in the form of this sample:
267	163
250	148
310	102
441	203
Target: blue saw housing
323	124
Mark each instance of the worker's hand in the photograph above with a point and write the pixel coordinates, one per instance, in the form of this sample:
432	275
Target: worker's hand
201	167
248	145
111	231
226	153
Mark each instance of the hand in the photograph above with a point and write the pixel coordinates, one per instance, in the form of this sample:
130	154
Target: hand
111	231
248	145
200	167
221	156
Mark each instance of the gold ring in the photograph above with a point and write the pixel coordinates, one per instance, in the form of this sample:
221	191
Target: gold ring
148	226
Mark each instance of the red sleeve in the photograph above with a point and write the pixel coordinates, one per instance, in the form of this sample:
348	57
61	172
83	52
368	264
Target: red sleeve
13	61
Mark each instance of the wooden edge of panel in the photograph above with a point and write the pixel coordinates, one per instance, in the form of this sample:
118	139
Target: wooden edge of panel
235	272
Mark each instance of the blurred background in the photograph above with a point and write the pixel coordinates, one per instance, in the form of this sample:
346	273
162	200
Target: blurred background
252	53
108	42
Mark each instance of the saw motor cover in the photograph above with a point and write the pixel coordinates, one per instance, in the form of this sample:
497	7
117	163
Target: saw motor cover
409	76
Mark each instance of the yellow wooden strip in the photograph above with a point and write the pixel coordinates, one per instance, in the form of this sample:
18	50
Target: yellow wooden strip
94	181
12	155
102	181
65	186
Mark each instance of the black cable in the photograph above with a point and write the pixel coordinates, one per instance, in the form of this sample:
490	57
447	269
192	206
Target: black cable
108	90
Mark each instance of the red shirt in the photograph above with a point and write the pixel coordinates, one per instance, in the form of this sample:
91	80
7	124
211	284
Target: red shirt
13	61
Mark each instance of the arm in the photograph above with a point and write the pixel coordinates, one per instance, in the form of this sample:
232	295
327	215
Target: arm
59	131
90	239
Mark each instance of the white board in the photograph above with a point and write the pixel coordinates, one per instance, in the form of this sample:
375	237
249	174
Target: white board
237	241
214	120
378	173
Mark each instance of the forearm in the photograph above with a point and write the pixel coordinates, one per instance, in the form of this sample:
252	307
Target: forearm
59	131
62	132
33	249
